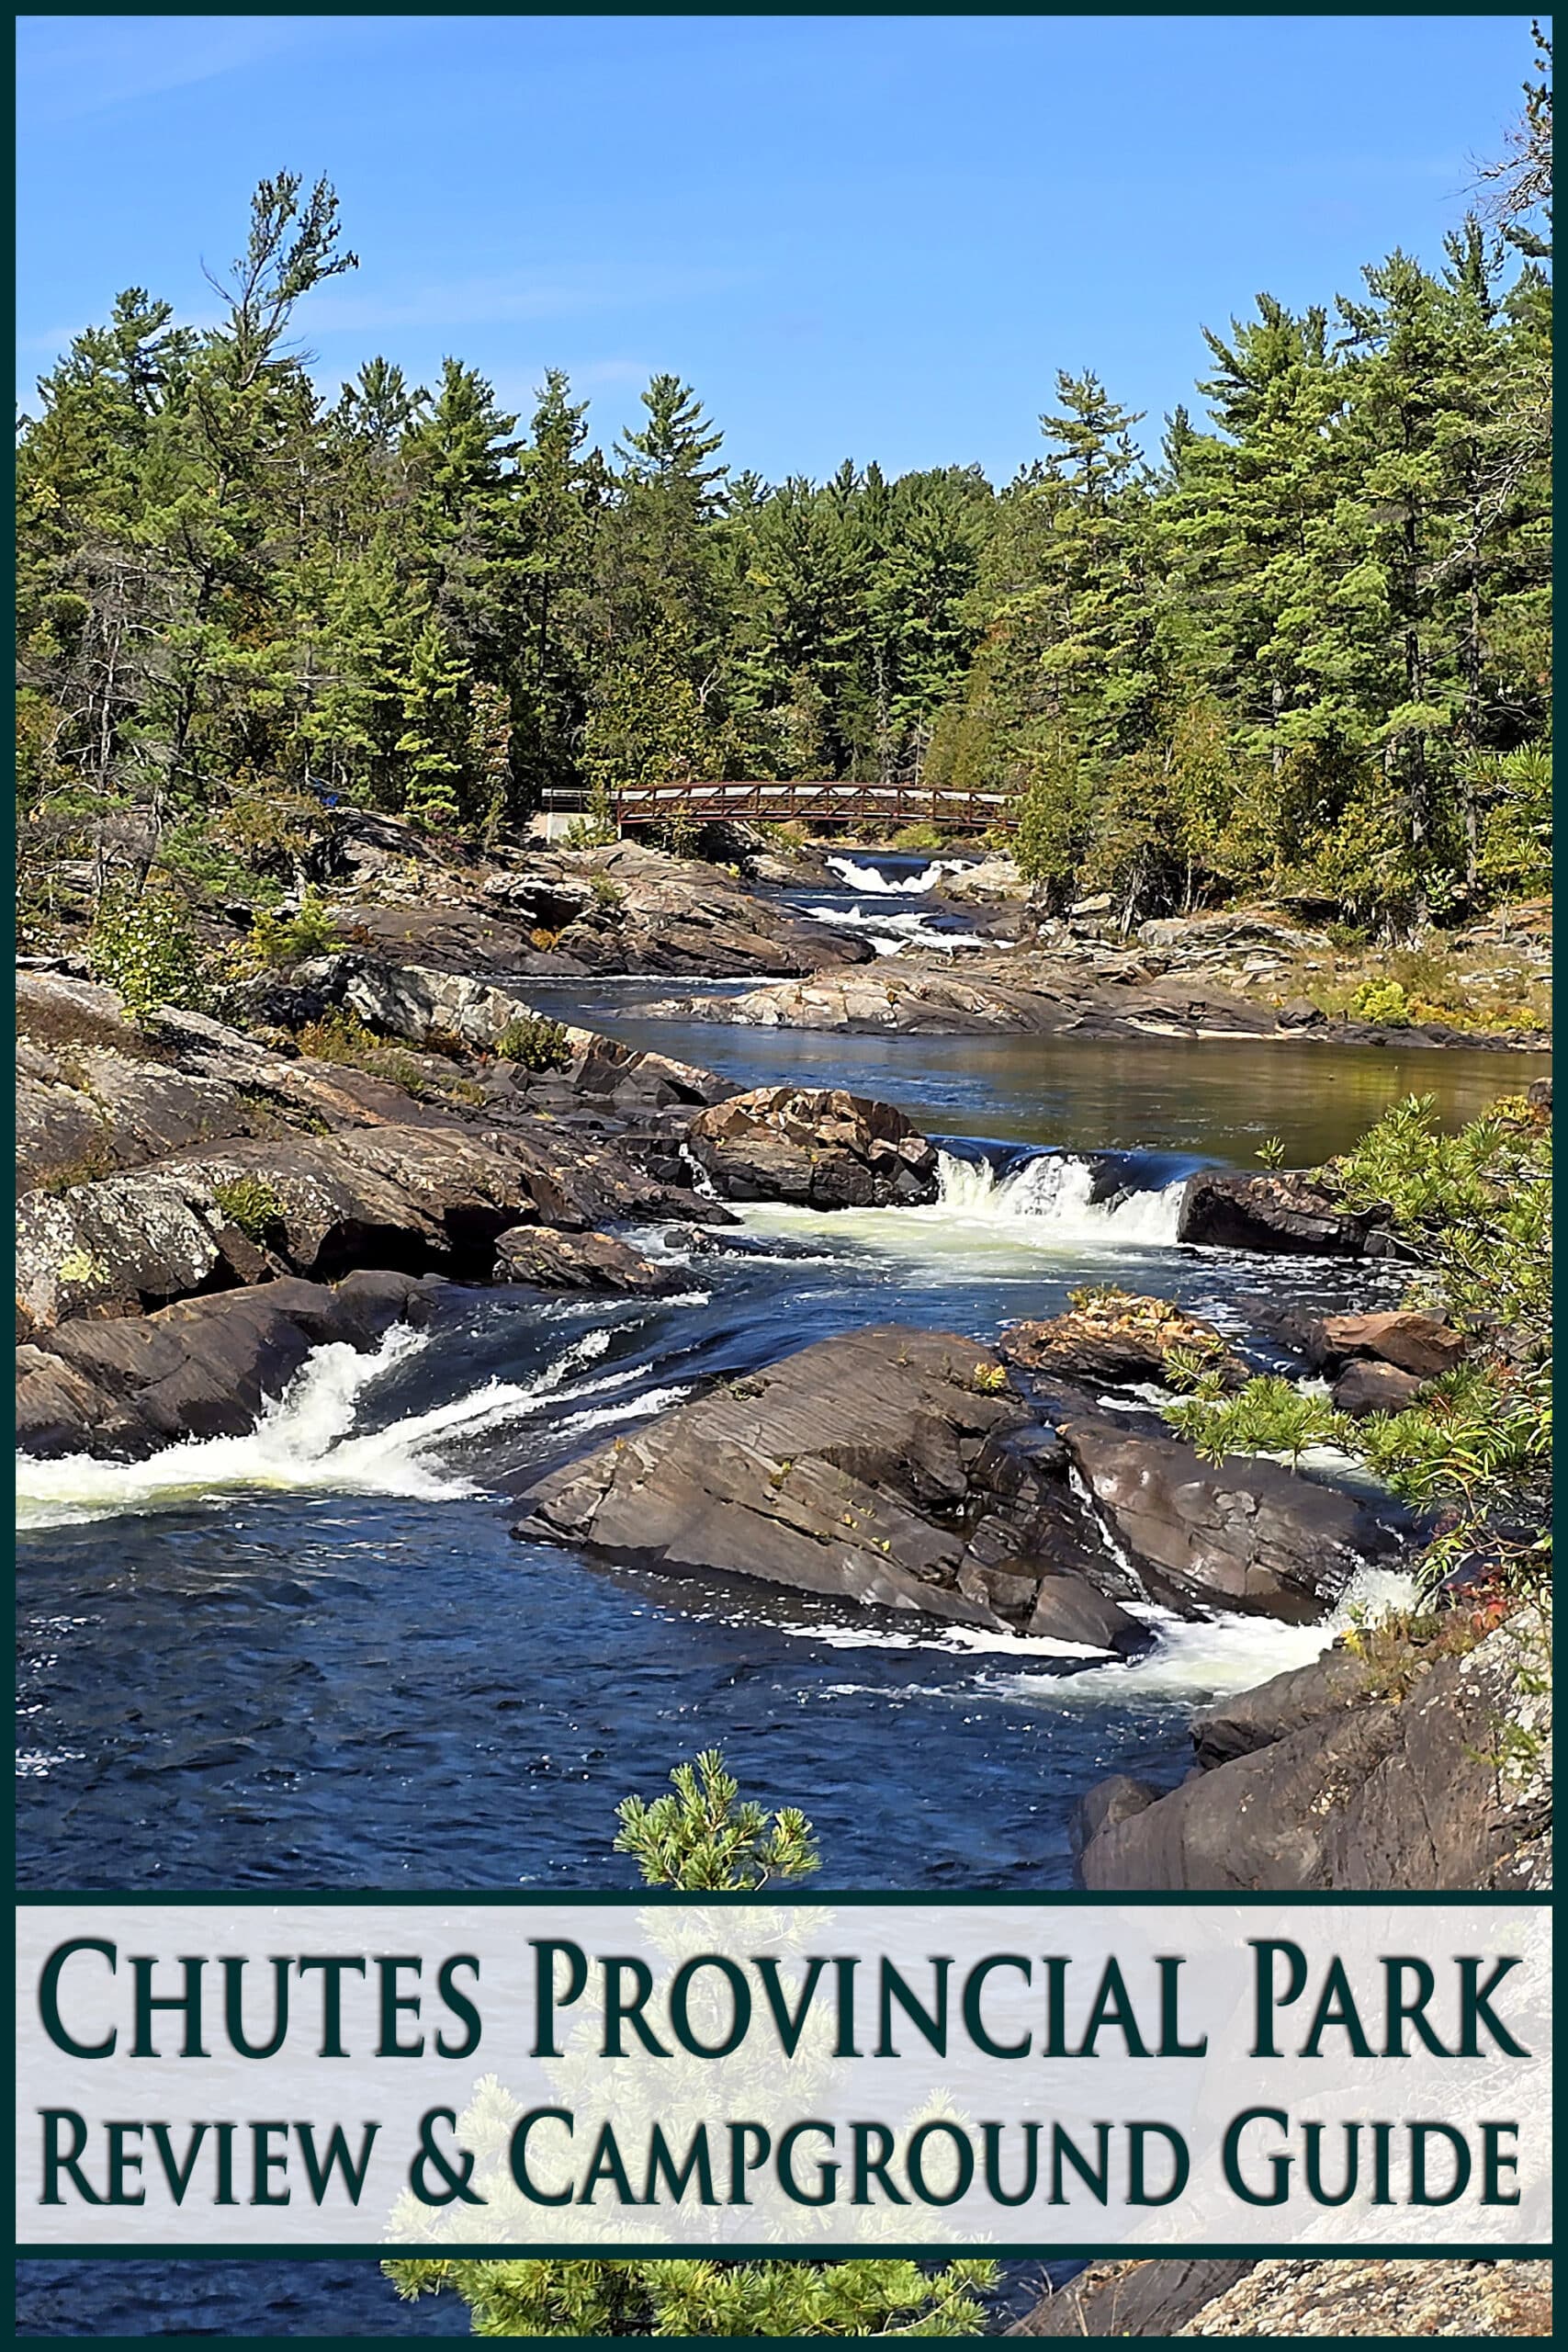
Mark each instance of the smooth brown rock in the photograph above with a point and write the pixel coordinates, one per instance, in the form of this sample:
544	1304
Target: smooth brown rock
555	1260
1363	1388
1248	1535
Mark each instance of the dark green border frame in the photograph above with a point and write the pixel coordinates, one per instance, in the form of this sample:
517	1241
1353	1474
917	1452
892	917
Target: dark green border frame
252	1898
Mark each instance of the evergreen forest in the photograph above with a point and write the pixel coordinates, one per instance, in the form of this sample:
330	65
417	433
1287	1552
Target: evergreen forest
1302	651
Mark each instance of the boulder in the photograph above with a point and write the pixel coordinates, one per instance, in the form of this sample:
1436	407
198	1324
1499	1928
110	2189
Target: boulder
1418	1344
891	1466
1113	1339
1283	1706
203	1368
1247	1536
1428	1790
827	1149
554	1260
1107	1803
1363	1388
1281	1211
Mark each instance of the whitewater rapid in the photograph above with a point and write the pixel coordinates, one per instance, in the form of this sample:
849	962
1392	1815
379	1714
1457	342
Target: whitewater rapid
874	884
307	1441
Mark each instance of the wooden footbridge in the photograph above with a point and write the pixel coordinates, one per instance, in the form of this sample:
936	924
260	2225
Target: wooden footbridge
815	804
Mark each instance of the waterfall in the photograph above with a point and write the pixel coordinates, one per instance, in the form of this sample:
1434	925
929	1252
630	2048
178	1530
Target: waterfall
877	885
1054	1194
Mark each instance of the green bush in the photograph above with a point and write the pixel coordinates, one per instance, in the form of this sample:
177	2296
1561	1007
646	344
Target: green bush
534	1043
276	941
252	1204
144	947
1473	1212
918	837
1382	1002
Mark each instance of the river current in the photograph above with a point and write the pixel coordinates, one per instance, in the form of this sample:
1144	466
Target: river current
316	1658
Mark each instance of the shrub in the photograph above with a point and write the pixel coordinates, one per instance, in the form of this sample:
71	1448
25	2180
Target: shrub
1382	1002
534	1043
918	837
607	891
1473	1211
144	947
252	1204
276	941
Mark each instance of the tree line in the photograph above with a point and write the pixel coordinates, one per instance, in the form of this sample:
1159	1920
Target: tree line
1305	650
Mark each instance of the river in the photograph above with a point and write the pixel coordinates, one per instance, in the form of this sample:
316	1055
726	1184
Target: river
316	1658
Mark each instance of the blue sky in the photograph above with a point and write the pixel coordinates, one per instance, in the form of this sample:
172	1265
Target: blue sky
856	236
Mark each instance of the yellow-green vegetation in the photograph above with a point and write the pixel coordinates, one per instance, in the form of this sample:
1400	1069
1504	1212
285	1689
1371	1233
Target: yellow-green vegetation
701	1835
1473	1211
1190	1350
926	838
534	1043
341	1037
274	942
1460	983
144	945
252	1204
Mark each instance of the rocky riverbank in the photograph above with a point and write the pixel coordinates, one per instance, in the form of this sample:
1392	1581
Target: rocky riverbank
1040	992
205	1200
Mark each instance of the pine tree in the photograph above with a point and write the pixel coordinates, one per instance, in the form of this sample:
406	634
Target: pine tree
701	1835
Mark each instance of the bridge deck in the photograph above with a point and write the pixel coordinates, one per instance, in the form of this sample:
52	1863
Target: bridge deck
838	803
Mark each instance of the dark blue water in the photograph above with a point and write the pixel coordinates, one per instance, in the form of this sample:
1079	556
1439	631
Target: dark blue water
331	1666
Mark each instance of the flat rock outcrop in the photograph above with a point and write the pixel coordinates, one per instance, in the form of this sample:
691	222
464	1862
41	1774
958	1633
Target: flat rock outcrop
892	1466
415	1198
203	1368
622	907
825	1149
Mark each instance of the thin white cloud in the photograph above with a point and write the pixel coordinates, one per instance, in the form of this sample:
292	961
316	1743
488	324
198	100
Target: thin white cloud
68	67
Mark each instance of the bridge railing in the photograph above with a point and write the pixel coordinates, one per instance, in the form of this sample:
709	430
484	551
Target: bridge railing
784	802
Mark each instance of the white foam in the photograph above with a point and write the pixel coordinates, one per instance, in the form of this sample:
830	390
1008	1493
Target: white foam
875	885
1053	1193
889	934
1216	1656
305	1440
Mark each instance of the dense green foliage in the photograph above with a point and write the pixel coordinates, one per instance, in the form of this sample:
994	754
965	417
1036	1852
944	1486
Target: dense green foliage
1305	651
1473	1212
701	1835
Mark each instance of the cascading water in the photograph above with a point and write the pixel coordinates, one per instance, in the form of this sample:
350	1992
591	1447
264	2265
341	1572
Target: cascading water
874	884
305	1442
1054	1194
